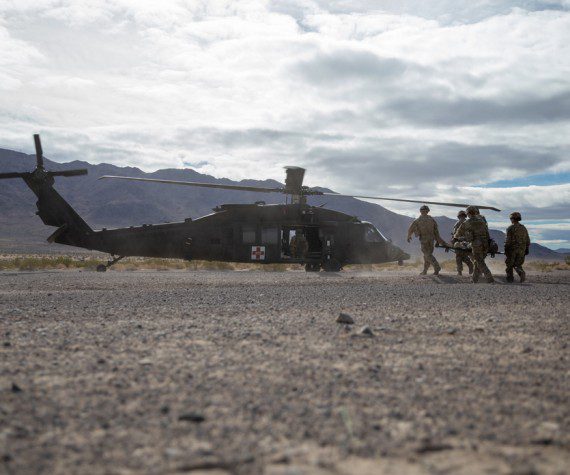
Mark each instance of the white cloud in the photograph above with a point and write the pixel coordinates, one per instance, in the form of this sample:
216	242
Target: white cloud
408	98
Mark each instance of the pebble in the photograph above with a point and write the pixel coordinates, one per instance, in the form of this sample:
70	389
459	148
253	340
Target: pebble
527	349
192	417
451	331
345	318
366	330
16	388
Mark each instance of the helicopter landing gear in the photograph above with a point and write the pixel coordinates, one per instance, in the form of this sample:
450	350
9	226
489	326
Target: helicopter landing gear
332	265
104	267
312	267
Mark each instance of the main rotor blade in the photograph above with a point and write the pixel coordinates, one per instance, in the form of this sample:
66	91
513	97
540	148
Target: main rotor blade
39	151
79	172
458	205
198	184
12	175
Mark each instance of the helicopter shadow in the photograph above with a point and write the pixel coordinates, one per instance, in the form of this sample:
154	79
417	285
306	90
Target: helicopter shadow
445	279
329	275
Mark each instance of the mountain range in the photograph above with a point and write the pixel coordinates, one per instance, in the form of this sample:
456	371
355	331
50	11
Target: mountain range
112	203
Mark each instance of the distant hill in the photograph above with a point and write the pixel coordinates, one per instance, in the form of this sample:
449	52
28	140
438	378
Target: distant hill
107	203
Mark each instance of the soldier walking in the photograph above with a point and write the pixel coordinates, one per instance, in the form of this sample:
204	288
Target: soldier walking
517	244
461	256
425	228
475	232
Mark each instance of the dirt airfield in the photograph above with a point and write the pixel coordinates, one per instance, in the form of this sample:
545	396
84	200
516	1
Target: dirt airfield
211	372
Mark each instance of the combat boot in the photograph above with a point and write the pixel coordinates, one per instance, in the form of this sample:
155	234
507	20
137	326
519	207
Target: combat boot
470	268
476	276
459	272
510	277
522	275
490	279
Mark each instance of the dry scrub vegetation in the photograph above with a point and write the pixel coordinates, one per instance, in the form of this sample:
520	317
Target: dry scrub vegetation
89	263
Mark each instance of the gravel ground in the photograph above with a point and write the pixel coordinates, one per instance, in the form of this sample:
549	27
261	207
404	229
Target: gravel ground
249	372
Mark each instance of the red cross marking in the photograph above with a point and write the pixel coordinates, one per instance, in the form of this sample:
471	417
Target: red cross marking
257	253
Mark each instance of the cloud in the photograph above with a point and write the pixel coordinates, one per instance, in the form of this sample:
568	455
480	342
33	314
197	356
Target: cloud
458	112
409	98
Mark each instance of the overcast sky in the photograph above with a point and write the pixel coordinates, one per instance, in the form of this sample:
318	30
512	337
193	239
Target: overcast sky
445	99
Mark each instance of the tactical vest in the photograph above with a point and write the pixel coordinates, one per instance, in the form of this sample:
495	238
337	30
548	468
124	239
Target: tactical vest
478	230
425	227
517	236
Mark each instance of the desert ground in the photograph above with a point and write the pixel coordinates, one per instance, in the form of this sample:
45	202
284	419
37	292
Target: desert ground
249	372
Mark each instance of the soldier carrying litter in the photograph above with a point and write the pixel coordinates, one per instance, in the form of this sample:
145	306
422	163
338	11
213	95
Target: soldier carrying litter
461	256
517	244
425	228
475	232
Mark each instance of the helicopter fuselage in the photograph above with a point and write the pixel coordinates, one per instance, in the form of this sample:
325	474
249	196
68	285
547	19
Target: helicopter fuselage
254	233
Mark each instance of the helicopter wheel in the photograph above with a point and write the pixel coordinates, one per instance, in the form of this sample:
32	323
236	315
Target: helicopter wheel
332	266
101	268
312	267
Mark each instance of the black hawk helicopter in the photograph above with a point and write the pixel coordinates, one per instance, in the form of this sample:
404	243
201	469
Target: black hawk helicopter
294	232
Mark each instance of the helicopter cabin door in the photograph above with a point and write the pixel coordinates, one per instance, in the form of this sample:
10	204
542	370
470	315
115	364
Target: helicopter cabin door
300	243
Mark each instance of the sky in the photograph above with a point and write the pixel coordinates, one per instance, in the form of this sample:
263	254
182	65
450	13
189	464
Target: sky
446	100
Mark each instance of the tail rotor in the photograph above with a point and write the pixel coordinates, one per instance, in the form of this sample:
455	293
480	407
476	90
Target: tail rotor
40	175
39	151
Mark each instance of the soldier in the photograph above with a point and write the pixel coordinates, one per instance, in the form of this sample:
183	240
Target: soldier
425	228
299	245
475	232
517	245
461	256
478	213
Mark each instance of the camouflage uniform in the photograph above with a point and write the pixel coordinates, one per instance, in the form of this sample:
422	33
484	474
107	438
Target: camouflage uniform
475	231
425	227
516	247
461	256
299	246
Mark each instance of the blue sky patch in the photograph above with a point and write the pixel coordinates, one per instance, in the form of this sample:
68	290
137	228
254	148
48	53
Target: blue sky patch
542	179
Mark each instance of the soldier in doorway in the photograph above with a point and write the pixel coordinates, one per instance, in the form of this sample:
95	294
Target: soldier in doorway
517	244
425	228
299	245
461	256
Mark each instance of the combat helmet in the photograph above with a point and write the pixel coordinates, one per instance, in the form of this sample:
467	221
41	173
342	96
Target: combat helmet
473	210
515	215
424	208
461	214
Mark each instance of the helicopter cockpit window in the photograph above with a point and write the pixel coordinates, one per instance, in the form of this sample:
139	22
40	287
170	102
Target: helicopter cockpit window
248	234
371	234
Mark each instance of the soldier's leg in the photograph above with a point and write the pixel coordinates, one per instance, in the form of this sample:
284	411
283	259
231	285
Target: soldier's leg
459	262
486	270
509	262
436	266
427	257
518	262
476	267
428	249
468	262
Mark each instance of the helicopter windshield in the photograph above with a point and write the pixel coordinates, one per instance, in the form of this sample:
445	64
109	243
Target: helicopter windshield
371	234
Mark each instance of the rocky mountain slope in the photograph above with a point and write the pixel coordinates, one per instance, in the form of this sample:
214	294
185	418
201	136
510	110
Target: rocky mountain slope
107	203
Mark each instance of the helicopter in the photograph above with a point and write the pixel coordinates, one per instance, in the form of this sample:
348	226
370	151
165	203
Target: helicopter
294	232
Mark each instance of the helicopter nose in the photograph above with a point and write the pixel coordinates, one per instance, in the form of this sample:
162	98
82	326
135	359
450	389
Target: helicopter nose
395	253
